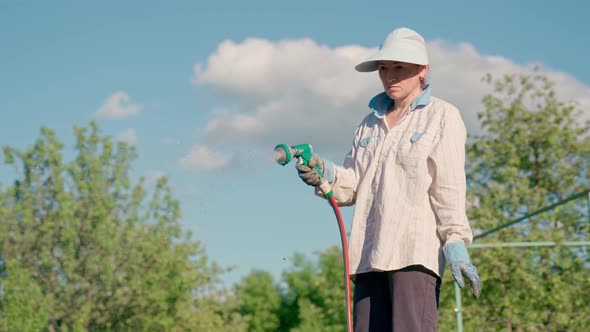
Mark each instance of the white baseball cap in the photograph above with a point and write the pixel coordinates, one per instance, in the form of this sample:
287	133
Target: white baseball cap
403	45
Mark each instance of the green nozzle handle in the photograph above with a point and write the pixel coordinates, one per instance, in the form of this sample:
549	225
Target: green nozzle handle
284	154
304	151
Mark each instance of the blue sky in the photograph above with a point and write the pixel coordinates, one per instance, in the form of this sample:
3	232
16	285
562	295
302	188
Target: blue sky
205	90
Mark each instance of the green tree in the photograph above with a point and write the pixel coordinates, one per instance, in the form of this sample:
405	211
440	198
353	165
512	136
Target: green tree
259	301
20	311
87	249
314	299
534	151
217	312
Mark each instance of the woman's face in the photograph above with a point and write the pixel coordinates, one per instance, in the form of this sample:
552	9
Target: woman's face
400	79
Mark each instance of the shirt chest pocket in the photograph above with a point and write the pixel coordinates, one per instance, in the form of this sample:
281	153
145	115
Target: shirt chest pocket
367	147
413	152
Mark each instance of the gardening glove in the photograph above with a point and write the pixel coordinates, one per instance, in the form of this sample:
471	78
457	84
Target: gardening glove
458	259
309	173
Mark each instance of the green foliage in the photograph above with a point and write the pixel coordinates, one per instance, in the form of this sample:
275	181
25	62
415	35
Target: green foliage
311	297
315	295
217	312
534	152
20	311
259	300
83	248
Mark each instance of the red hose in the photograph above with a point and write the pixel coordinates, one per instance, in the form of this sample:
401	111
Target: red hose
344	241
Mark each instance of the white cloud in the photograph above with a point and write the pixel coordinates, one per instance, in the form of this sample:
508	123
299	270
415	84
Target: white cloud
457	72
202	158
118	105
263	69
129	136
296	91
288	91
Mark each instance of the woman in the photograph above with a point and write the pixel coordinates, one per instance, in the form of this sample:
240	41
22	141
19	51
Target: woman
405	175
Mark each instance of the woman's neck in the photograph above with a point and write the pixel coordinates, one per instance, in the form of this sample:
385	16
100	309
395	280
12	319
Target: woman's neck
402	105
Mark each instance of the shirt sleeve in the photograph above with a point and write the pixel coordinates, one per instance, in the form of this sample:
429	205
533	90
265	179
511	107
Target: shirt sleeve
345	177
345	181
448	189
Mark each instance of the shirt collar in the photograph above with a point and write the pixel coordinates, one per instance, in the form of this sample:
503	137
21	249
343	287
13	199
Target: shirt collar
381	102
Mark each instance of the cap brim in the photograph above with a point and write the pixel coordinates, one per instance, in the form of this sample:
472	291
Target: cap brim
367	66
372	63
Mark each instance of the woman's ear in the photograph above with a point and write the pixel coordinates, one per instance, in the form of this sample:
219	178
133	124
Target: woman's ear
424	71
422	75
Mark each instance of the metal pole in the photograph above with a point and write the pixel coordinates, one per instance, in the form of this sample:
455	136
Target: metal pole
532	214
458	308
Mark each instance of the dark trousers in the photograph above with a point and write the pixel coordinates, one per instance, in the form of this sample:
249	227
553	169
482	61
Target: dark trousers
404	300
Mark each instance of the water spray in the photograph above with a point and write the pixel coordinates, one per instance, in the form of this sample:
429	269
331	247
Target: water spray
283	154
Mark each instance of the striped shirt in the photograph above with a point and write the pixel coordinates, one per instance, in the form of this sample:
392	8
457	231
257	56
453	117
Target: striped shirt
407	184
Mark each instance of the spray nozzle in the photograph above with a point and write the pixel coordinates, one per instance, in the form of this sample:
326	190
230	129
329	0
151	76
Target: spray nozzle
283	153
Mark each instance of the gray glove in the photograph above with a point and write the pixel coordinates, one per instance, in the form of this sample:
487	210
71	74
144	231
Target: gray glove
458	259
309	173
